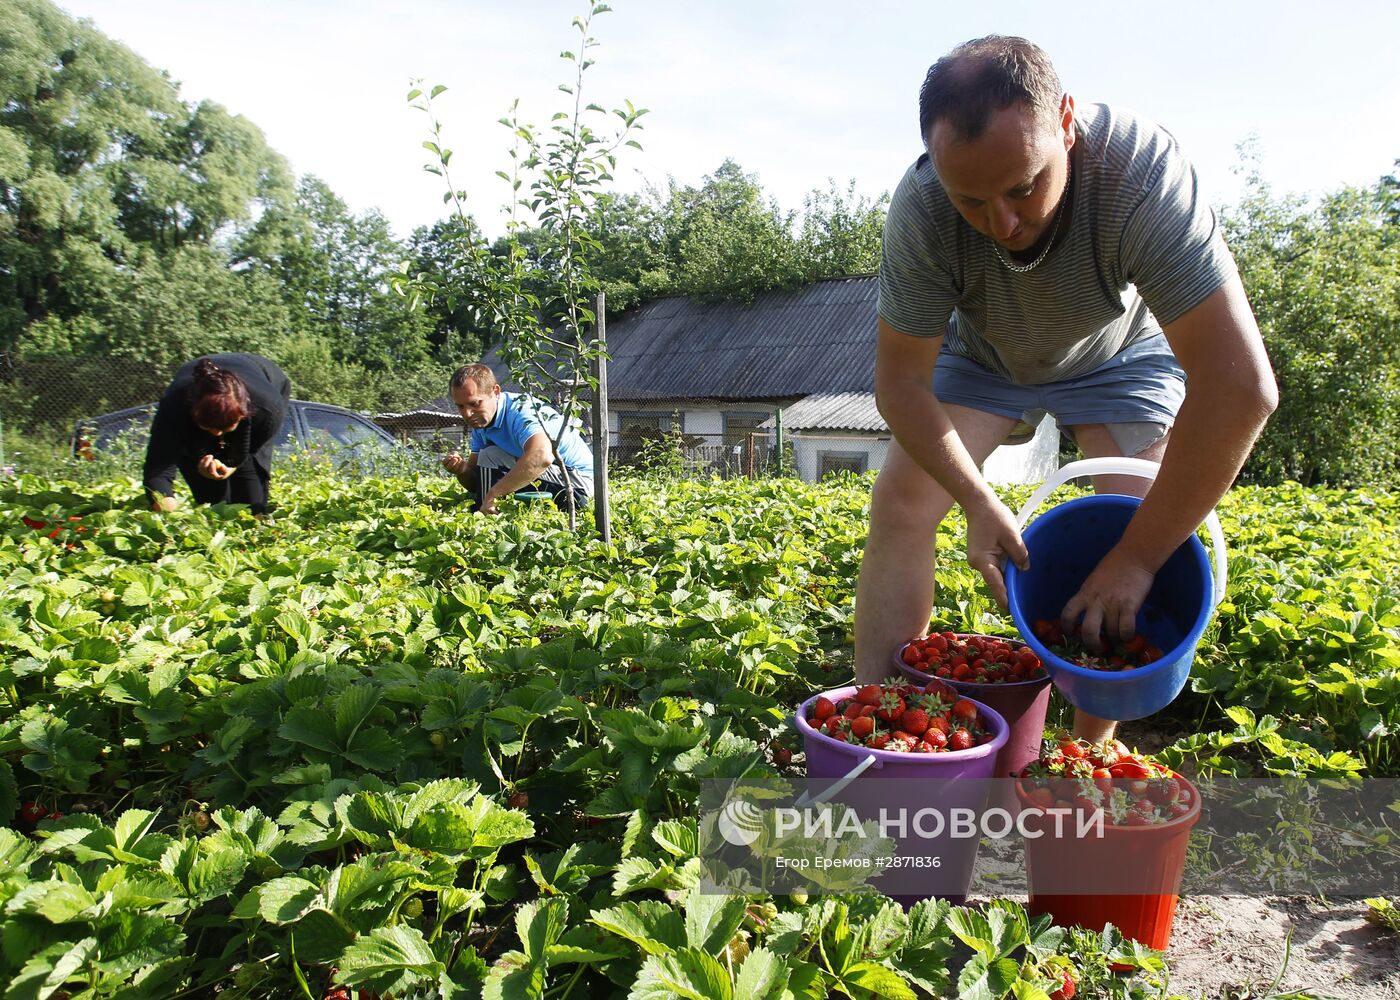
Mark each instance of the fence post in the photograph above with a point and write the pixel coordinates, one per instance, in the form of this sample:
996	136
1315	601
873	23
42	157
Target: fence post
778	437
748	457
602	514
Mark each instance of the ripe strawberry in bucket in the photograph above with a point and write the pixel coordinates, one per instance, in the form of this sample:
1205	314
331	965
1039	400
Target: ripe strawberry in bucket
1136	652
903	718
1131	789
976	659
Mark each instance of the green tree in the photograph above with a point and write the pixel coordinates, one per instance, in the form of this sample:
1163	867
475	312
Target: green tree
842	232
334	270
1325	287
99	158
535	298
453	333
727	242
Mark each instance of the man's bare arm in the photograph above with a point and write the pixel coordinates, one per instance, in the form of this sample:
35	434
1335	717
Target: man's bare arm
533	461
904	394
1230	392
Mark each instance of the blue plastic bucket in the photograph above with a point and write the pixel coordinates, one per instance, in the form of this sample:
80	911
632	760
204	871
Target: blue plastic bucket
1066	543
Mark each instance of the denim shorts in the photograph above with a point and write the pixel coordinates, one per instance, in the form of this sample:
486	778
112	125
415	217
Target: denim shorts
1136	393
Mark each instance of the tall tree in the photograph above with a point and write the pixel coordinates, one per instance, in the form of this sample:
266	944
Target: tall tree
334	268
1325	287
99	157
842	232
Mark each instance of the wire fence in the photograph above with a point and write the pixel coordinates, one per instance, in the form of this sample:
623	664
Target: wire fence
52	410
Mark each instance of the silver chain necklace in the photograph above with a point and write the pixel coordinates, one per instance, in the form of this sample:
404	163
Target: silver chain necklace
1054	235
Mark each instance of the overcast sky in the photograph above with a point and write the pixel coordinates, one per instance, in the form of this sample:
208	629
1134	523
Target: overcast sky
796	92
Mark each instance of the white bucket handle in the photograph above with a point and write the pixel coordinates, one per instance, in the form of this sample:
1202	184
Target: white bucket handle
1127	467
851	775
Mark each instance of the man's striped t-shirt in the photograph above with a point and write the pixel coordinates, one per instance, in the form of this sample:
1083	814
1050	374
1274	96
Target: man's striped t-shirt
1141	250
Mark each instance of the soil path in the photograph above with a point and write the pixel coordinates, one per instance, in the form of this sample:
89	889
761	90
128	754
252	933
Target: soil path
1227	947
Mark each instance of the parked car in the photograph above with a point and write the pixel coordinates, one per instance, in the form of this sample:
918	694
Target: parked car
322	427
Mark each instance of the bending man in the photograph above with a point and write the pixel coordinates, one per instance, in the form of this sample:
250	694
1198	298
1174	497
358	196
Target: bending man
1041	257
511	435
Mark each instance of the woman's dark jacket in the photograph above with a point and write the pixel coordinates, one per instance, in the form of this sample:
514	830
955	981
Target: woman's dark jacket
176	440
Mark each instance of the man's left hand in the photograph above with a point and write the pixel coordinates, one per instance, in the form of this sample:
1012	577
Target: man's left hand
1109	601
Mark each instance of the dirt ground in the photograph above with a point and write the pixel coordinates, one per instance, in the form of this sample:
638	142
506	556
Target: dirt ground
1239	948
1233	947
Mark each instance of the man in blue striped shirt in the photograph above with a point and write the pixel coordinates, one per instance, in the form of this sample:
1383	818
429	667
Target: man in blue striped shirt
1044	258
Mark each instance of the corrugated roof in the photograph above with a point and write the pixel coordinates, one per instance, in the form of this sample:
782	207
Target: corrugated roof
784	345
843	411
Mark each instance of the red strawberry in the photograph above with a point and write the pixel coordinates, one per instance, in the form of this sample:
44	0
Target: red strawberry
890	708
32	812
943	690
879	741
935	739
1066	990
782	756
965	711
960	739
1163	789
862	727
1073	750
914	721
823	708
869	694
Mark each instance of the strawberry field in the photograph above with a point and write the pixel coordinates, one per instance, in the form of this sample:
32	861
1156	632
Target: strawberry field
378	744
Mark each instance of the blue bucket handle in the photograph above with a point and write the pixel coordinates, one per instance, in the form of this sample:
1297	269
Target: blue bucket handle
1127	467
851	775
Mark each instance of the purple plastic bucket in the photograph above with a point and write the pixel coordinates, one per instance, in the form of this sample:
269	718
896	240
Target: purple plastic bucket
1022	704
963	784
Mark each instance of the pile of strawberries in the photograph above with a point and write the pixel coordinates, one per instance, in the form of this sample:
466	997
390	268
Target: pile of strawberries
1136	652
976	659
903	717
1132	789
56	528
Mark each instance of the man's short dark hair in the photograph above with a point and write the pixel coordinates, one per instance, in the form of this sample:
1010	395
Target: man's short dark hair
481	376
985	75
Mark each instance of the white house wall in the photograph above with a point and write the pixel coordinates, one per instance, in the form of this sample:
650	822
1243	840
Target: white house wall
808	450
1031	462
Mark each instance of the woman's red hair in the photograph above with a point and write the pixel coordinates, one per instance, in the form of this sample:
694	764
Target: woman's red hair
218	398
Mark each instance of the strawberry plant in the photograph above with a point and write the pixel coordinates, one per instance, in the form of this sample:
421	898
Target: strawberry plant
375	744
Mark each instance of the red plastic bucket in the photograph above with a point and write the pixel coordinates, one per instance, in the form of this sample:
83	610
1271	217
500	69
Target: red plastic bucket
1023	705
833	767
1145	863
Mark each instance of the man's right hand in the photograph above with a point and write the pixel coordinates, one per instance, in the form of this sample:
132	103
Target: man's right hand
992	534
455	464
163	504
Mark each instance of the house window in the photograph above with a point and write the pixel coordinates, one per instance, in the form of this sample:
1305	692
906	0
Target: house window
841	461
644	422
738	426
